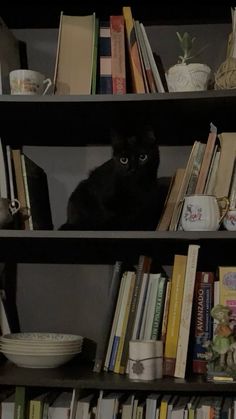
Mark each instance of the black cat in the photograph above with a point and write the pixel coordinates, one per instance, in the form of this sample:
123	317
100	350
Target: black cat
124	192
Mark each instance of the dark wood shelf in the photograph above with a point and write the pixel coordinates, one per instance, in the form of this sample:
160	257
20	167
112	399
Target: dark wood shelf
76	375
109	246
23	15
62	115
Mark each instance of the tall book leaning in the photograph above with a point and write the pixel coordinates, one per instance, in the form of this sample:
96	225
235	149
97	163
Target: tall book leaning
186	311
36	185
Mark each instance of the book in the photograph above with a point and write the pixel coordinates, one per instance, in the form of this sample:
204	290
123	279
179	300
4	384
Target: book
36	406
84	406
8	407
151	301
152	62
152	403
134	59
20	188
105	60
202	320
111	300
3	172
20	411
186	311
74	63
171	199
95	58
147	71
39	202
173	322
144	74
127	306
118	68
60	408
114	323
109	405
144	264
159	309
202	177
164	406
127	407
226	163
183	188
166	311
129	279
227	281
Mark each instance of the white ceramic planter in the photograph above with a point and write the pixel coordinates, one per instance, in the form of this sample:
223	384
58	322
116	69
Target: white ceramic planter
188	77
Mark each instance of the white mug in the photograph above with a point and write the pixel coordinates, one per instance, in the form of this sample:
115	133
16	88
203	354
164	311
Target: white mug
203	212
28	82
230	220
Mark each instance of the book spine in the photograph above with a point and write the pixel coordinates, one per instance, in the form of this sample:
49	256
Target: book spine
136	70
166	311
158	314
120	321
125	322
117	27
112	298
173	323
105	81
189	283
206	162
143	266
114	324
203	303
19	408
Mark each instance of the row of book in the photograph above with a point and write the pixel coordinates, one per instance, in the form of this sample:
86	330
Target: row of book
111	405
94	57
210	169
23	180
174	308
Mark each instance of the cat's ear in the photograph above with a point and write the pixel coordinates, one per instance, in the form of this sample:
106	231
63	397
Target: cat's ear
115	138
149	135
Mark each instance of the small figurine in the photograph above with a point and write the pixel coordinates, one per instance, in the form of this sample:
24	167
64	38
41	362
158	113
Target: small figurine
221	351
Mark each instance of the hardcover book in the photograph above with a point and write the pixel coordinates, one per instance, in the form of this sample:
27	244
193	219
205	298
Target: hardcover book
39	201
202	320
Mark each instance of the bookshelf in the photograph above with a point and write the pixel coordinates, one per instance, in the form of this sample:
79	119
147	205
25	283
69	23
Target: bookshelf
179	118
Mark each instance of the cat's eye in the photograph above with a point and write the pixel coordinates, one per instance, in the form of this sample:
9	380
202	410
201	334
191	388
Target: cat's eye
124	160
143	157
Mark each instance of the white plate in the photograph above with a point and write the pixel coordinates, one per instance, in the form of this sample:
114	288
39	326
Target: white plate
38	361
42	337
42	352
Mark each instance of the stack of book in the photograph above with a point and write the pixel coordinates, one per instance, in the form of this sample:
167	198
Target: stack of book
210	170
93	57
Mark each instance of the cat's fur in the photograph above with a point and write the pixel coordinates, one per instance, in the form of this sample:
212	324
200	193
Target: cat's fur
124	192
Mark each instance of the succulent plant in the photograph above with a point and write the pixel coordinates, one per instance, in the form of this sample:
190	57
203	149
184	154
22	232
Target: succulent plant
186	44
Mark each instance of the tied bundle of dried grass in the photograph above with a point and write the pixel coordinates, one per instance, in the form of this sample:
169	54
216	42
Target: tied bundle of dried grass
225	77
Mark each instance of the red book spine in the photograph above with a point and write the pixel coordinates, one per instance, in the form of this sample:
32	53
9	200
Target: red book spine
118	54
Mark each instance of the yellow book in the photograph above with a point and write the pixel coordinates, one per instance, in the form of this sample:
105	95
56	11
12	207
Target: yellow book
227	283
164	406
135	64
131	282
173	322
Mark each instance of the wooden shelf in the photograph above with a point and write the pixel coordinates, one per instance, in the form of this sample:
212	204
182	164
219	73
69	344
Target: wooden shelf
109	246
75	375
63	114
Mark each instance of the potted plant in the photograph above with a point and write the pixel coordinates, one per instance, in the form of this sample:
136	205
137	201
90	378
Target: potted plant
185	76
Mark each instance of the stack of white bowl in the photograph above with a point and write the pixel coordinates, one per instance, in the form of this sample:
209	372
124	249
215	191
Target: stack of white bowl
40	350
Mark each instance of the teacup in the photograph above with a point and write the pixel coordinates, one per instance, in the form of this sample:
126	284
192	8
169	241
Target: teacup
7	210
230	220
203	212
28	82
